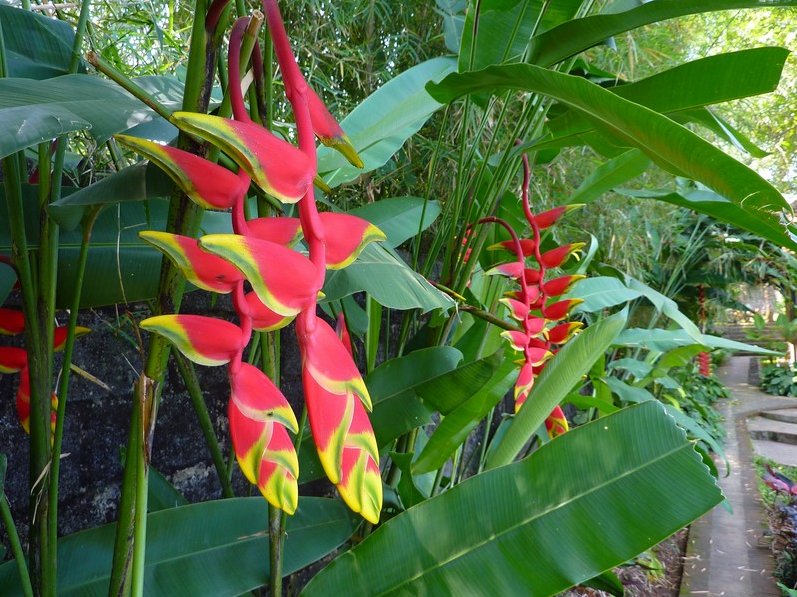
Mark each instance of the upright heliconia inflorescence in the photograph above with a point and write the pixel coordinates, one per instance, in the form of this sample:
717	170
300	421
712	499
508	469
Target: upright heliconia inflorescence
284	283
537	304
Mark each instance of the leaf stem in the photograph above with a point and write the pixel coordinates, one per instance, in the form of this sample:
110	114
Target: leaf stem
16	546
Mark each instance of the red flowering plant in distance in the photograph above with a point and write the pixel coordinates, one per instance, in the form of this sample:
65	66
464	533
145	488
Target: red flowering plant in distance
285	285
537	304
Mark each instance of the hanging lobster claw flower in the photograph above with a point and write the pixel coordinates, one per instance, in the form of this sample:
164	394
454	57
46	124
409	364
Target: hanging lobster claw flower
561	285
203	270
263	318
328	131
284	280
276	166
207	184
258	413
517	309
560	309
346	445
563	332
329	363
527	246
12	322
556	257
548	218
523	385
346	237
12	359
60	333
203	340
343	333
512	270
23	402
517	340
256	396
556	423
283	231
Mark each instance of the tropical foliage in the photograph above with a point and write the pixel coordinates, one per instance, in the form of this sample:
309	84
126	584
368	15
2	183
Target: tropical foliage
385	249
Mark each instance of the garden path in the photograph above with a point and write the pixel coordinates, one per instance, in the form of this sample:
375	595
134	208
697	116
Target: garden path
726	553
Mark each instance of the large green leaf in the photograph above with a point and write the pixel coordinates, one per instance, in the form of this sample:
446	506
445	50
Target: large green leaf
684	88
381	273
503	29
536	527
670	145
666	306
35	111
619	170
380	125
568	39
36	47
393	387
121	267
760	222
601	292
213	548
399	217
140	182
663	340
555	382
455	427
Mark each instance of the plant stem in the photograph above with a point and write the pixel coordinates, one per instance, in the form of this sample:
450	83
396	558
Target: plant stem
16	546
275	527
188	373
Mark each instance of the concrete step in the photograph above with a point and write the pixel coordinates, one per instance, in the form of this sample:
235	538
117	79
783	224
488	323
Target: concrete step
786	415
780	453
761	428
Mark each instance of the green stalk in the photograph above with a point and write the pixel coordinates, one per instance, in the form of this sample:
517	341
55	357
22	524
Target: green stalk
184	219
63	388
16	546
127	84
39	429
188	373
146	404
48	255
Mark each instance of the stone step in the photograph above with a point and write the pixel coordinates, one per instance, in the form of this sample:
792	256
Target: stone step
761	428
786	415
780	453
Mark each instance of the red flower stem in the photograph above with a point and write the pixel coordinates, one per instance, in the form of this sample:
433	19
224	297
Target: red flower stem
296	91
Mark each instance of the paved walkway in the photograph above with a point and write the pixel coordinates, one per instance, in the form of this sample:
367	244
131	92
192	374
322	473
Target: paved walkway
726	556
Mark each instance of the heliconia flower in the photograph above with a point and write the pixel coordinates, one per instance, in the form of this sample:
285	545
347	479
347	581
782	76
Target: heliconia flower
513	270
548	218
346	237
537	356
517	340
12	359
202	269
527	246
204	340
276	166
283	231
556	257
558	286
563	332
343	333
23	402
523	385
60	334
560	309
346	445
12	322
328	362
284	280
209	185
328	131
262	446
517	309
256	396
535	325
556	423
263	318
